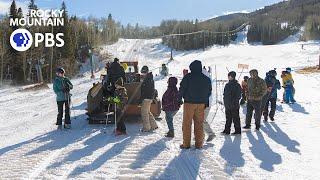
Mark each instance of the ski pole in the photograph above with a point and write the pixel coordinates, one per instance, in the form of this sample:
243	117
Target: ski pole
107	118
115	118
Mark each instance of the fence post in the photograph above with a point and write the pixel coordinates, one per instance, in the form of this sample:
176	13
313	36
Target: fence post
319	63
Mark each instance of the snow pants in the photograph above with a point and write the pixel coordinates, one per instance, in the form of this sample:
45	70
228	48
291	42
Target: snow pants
193	112
206	126
232	115
273	102
169	119
253	105
60	112
149	123
289	94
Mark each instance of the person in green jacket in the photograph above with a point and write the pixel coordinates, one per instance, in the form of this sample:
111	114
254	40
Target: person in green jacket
62	87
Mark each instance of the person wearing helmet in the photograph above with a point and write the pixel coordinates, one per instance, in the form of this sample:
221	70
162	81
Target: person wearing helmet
244	90
62	87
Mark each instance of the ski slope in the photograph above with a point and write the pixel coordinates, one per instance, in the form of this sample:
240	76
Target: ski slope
32	148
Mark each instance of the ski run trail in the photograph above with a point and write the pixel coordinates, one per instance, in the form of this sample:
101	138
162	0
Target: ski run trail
32	148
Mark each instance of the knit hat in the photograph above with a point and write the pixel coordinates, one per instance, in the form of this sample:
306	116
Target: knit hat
60	70
232	74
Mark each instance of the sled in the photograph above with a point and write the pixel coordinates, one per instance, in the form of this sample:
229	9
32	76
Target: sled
97	105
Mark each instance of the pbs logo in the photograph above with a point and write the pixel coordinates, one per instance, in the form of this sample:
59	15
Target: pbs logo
21	40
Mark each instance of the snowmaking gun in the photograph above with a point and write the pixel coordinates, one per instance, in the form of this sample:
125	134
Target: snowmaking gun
99	110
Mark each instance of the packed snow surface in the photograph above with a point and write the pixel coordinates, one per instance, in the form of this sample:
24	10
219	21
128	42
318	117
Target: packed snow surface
32	148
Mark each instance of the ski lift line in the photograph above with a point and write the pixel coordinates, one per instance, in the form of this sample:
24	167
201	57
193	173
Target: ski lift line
241	27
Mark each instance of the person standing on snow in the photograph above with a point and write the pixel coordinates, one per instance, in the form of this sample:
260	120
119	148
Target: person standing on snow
147	97
288	82
231	98
273	85
206	126
257	88
121	94
195	88
171	104
244	90
62	87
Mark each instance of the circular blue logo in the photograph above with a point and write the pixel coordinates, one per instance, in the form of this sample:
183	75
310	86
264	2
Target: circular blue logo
21	40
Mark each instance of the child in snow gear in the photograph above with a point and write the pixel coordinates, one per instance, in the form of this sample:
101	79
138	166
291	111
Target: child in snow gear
195	88
288	82
171	104
244	90
164	70
257	88
121	99
231	98
273	85
147	97
62	87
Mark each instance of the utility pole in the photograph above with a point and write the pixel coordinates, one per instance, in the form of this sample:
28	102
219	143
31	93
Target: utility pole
2	57
91	62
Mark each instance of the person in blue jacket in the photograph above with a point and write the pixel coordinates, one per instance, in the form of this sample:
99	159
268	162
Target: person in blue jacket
273	85
62	87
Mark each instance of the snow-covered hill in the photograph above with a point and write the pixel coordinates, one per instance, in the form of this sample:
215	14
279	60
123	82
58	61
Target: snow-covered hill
31	148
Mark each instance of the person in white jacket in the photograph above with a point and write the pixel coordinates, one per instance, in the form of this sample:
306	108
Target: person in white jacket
206	126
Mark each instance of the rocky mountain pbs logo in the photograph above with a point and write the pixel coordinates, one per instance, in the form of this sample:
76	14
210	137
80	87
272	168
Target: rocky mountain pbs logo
22	40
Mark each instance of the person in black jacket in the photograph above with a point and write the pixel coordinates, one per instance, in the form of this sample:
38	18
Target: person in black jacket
195	88
147	96
115	72
231	98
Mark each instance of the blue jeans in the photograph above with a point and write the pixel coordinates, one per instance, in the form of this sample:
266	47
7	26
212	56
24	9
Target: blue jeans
169	119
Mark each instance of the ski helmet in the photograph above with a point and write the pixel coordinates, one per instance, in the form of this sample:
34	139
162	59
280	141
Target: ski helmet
145	70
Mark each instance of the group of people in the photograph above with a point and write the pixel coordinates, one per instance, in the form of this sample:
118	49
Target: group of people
194	94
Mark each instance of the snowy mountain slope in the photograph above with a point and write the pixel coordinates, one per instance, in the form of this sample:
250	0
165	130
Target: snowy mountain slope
31	148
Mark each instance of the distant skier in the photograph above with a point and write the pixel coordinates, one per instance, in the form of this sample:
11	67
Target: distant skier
231	98
257	88
62	87
273	85
195	89
147	97
171	104
244	90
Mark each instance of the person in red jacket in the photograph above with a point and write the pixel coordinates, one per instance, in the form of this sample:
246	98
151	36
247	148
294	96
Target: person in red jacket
171	104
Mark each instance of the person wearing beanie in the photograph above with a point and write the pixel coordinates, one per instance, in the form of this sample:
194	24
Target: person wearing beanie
62	87
257	88
171	104
148	94
115	72
195	89
231	98
121	94
273	85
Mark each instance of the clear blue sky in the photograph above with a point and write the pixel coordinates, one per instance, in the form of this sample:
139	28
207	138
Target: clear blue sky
151	12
